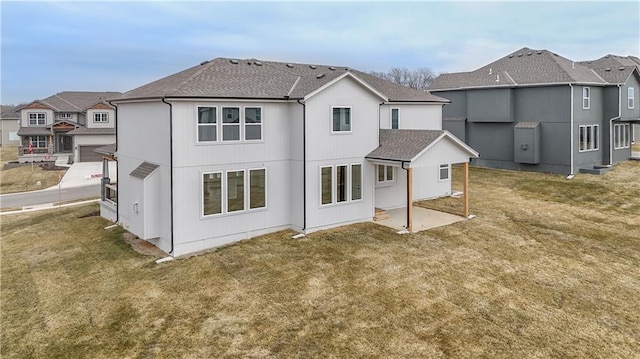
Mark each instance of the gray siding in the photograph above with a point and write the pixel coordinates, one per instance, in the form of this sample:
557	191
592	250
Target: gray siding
458	105
490	105
457	127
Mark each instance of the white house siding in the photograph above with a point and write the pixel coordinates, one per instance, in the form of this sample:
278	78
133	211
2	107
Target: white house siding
193	231
325	148
90	140
413	116
392	195
144	136
24	116
109	124
295	125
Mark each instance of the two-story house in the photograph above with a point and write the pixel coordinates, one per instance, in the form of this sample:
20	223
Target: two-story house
535	110
231	149
69	123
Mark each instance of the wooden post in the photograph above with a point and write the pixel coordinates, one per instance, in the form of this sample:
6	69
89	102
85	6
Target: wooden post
409	199
465	181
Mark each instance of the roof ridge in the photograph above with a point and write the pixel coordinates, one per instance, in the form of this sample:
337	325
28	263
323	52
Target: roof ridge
58	96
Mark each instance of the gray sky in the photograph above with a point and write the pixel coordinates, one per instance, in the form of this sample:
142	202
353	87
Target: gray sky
53	46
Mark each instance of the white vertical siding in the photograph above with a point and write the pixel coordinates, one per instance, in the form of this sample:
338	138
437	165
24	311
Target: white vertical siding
413	116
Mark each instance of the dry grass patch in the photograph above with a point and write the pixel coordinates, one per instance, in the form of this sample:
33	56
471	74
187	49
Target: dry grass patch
8	154
23	179
539	273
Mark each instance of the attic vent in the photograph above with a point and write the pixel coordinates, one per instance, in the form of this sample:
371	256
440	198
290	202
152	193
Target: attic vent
529	53
539	52
520	54
204	63
258	63
320	76
290	66
608	69
332	68
510	56
621	68
313	66
233	61
490	71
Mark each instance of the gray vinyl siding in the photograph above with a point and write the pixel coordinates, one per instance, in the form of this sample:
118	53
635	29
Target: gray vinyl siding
591	116
490	105
458	105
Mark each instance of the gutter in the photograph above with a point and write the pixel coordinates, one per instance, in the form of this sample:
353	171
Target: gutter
572	140
170	166
611	124
304	165
117	165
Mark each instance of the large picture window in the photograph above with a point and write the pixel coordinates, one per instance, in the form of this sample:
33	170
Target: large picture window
241	191
212	193
621	136
100	117
252	123
341	119
341	183
207	124
230	124
589	138
257	188
235	191
37	118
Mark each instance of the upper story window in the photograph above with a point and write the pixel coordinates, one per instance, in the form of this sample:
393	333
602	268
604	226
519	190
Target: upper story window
385	174
630	98
586	98
589	138
236	124
252	123
100	117
230	123
65	115
341	119
207	124
395	113
37	118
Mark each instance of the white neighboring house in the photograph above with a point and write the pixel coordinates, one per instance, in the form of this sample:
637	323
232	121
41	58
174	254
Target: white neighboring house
69	123
231	149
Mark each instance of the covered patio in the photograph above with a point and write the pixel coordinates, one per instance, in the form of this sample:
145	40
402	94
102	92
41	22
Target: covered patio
422	219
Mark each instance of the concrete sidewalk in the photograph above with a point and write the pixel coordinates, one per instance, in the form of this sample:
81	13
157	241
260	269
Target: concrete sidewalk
84	174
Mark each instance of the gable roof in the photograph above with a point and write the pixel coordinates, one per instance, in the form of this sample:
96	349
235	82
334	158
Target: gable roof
613	68
75	101
524	67
257	79
407	145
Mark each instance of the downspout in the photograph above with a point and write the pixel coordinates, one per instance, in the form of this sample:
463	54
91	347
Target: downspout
304	165
572	140
611	124
170	167
409	199
117	163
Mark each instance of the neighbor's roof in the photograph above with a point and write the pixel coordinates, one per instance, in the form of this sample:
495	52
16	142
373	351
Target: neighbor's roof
8	112
613	68
75	101
251	78
144	170
525	67
405	145
92	131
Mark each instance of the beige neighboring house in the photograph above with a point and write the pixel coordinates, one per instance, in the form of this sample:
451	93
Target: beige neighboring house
9	124
69	124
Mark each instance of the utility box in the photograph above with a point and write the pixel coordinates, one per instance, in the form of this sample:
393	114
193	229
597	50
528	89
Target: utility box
526	142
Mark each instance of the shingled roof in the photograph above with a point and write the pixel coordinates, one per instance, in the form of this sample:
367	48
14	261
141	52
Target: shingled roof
251	78
613	68
525	67
76	101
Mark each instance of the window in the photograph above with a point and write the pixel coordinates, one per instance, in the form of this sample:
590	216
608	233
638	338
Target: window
630	98
341	183
394	118
621	136
589	138
444	172
37	118
13	136
101	117
65	115
38	141
257	188
230	124
212	193
252	123
207	124
385	174
235	191
356	182
326	184
586	98
341	119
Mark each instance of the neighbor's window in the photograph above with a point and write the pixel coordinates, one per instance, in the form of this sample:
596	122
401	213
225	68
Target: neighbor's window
444	172
630	98
586	98
211	193
621	136
326	184
207	124
65	115
385	174
101	117
589	138
356	182
37	118
341	183
257	188
341	119
235	191
38	141
394	118
252	123
230	124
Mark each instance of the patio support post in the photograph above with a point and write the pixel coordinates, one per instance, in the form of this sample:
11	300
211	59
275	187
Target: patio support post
409	199
465	181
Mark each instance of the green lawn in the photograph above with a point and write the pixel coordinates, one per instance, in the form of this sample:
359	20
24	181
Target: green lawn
549	268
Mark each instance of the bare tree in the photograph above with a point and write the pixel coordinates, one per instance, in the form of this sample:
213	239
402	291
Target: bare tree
420	78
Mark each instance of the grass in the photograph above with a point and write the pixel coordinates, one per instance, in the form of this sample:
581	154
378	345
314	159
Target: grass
22	179
549	268
636	147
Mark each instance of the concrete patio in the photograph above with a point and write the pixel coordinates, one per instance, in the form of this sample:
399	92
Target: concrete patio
423	219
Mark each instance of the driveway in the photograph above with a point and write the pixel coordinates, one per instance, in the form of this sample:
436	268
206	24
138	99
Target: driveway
84	174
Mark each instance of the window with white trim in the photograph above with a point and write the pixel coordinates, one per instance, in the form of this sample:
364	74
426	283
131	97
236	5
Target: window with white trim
356	182
38	141
589	138
231	124
586	98
630	98
100	117
211	193
207	124
621	136
385	174
257	188
252	123
341	119
340	183
326	184
395	113
37	118
235	191
65	115
443	174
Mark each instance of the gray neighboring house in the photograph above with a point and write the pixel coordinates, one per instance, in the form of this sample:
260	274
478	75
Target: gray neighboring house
70	124
9	124
535	110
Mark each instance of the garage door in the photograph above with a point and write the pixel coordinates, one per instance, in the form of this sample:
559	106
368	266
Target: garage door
87	154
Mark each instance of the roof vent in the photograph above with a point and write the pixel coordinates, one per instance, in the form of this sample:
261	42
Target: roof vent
510	56
204	63
248	62
539	52
233	61
332	68
320	76
490	70
573	65
529	53
290	66
608	69
520	54
313	66
498	78
621	68
257	63
347	69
